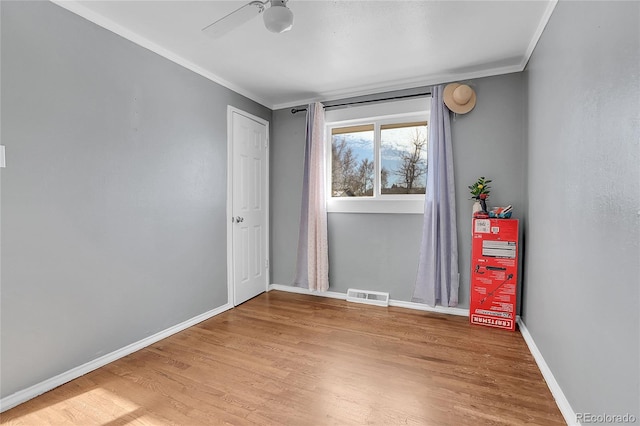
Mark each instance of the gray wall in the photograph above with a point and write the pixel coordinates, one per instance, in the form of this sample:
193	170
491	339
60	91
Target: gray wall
581	298
113	201
114	195
380	251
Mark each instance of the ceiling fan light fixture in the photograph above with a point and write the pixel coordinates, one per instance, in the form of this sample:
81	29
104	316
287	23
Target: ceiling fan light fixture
278	18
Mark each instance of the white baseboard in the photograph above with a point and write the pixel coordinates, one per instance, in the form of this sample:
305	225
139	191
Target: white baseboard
49	384
392	302
300	290
422	307
561	400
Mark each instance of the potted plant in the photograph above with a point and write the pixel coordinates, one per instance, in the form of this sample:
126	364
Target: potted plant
480	192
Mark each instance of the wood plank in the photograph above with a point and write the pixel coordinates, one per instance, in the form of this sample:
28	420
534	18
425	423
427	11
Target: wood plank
292	359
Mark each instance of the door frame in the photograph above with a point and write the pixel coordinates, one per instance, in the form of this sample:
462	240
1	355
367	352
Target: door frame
230	266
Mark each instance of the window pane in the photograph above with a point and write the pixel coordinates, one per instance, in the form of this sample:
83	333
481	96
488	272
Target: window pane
403	153
352	161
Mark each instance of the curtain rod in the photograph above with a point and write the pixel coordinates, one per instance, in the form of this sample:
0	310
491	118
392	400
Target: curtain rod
415	95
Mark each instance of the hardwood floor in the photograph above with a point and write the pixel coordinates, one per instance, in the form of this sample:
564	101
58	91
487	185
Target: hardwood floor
290	359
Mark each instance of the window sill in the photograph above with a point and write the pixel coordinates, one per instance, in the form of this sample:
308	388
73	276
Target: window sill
352	205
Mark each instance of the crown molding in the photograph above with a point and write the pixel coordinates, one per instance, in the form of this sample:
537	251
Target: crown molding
110	25
401	85
538	33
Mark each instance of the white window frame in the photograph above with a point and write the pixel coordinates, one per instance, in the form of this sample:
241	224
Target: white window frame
406	111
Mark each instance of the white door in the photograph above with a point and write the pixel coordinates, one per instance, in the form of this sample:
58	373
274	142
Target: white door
249	205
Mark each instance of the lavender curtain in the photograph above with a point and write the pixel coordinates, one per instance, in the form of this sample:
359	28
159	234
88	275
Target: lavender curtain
312	267
438	280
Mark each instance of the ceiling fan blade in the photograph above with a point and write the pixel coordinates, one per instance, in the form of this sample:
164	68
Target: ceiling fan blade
234	19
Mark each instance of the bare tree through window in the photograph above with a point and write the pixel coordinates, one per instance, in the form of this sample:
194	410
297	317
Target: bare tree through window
352	162
401	161
404	158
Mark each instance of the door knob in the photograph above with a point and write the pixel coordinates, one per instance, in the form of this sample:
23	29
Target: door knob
239	219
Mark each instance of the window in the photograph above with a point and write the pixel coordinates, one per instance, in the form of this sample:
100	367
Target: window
403	158
378	164
352	161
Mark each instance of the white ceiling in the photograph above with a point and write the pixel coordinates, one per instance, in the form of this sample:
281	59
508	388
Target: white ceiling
336	49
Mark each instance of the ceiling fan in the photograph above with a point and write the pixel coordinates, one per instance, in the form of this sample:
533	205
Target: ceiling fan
278	18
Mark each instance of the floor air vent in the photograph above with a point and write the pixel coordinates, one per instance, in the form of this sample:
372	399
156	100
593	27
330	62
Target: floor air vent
368	296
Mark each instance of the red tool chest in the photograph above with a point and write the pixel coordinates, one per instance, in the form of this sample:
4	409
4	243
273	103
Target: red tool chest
494	273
